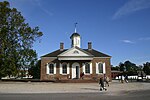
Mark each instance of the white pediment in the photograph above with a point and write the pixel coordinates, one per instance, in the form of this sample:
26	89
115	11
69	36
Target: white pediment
74	52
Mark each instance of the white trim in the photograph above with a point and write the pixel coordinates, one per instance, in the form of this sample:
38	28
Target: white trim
104	68
91	68
74	69
75	58
47	68
68	69
97	71
101	57
55	68
90	65
60	67
83	66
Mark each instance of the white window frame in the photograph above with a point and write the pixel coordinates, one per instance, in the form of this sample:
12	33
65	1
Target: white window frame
84	70
48	68
61	68
104	68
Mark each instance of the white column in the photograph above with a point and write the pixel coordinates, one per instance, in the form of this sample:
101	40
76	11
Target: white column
55	68
68	69
47	68
83	65
60	68
104	68
91	68
97	71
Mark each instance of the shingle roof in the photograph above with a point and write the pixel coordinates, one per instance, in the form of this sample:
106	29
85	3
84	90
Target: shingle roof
55	53
96	53
93	52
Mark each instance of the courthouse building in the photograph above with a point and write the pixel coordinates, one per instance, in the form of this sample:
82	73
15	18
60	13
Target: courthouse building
68	64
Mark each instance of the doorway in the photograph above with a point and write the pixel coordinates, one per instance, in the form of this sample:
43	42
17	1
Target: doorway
75	71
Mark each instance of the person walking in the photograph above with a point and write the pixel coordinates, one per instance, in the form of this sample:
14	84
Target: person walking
106	80
126	78
101	83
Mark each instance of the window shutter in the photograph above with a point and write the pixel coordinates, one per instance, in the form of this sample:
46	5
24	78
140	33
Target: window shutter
47	68
60	67
104	68
91	68
83	65
68	69
97	71
55	68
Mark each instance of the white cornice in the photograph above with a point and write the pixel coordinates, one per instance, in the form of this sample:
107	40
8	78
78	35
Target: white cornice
101	57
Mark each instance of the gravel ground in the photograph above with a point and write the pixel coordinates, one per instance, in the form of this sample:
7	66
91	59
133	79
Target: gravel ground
47	87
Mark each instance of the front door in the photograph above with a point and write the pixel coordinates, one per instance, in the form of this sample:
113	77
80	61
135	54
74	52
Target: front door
75	71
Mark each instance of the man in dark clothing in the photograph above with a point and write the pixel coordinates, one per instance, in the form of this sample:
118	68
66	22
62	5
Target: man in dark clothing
101	83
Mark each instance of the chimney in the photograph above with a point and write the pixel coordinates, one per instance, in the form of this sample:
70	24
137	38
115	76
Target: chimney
89	45
61	46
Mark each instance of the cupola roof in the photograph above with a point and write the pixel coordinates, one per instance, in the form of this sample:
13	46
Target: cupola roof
74	34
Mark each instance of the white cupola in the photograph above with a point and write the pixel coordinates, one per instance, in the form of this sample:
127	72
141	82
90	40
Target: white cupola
75	37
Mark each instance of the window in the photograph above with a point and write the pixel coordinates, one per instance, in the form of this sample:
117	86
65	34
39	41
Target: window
64	68
100	67
87	68
76	52
51	68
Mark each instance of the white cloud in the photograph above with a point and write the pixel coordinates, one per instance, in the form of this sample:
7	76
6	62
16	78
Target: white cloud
131	6
128	41
38	3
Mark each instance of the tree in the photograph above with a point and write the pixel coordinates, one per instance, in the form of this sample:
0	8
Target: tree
35	70
146	68
129	68
121	65
16	41
115	68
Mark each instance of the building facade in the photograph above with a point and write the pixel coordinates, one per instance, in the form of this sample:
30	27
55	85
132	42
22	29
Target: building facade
65	64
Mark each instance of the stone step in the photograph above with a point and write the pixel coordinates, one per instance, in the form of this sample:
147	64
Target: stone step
76	81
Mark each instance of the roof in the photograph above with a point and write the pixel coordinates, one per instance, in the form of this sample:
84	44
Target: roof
74	34
93	52
96	53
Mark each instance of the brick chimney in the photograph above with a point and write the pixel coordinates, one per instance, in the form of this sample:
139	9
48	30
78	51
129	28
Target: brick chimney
61	46
89	45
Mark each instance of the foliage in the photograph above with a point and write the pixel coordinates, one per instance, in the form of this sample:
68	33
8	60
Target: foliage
16	40
115	68
121	65
130	67
146	68
35	70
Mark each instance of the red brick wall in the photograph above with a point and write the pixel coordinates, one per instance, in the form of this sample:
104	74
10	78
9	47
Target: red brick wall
46	60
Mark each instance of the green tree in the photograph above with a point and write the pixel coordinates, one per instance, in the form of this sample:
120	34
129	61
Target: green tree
130	67
146	68
115	68
121	65
16	41
35	70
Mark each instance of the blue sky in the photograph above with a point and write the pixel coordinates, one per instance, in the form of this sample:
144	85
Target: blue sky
119	28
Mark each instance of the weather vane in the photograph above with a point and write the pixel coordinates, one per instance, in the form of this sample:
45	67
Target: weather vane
75	27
